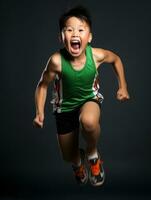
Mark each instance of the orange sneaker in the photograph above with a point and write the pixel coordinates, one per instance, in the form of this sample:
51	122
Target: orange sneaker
80	172
96	172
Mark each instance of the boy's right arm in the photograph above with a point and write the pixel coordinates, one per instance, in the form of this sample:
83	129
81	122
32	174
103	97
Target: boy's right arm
41	90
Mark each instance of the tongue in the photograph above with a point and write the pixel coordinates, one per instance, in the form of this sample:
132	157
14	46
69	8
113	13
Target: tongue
75	46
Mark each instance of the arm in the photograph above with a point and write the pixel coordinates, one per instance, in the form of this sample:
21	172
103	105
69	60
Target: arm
41	91
105	56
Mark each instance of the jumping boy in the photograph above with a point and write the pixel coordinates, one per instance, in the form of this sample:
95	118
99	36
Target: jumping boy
77	101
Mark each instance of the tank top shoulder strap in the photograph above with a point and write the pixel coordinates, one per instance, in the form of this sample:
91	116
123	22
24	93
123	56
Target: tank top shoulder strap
89	55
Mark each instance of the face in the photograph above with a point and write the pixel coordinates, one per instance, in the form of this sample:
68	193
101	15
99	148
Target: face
75	36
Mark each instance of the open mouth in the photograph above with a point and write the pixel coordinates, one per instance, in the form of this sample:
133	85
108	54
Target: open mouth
75	44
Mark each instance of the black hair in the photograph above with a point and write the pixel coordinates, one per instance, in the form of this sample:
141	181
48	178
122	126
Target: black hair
79	12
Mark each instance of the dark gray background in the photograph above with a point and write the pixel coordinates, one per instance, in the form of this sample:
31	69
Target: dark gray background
31	165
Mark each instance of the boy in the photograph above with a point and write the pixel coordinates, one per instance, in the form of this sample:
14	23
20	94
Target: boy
76	102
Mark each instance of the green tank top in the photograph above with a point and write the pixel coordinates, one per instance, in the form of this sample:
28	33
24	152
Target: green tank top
74	87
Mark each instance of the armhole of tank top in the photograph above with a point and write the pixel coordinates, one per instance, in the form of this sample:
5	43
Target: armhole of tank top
91	54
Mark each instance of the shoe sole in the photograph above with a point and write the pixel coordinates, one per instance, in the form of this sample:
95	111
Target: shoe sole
96	184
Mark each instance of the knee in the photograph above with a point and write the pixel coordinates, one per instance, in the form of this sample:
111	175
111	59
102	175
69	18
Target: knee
88	123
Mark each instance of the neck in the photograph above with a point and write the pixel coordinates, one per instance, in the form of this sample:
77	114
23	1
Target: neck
79	61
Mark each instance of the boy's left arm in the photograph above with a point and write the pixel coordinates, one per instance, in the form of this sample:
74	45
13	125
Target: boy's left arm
110	57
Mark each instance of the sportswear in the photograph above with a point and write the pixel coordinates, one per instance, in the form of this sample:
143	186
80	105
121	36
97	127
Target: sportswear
74	87
96	172
67	122
80	172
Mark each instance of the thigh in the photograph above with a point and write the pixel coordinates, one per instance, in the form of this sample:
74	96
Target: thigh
68	133
67	122
90	111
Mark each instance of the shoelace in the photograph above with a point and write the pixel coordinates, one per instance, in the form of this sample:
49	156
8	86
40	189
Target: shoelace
95	168
80	171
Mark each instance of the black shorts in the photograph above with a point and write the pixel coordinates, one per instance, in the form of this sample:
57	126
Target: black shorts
67	122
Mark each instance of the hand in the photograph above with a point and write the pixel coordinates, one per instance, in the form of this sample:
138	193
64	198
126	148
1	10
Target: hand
122	94
38	121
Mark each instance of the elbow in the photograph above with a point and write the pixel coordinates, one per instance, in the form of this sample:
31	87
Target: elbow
117	60
42	84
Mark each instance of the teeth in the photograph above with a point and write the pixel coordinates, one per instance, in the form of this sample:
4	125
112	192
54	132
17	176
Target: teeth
75	41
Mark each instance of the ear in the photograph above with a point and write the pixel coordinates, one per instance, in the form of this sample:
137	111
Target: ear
61	37
90	38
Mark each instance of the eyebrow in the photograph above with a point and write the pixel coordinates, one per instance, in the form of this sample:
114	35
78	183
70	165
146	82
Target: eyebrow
79	26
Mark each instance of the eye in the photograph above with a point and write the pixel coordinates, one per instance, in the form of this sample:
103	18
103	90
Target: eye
81	30
69	29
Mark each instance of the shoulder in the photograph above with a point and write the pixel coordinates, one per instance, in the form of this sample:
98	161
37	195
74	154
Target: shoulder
98	55
54	62
102	55
55	59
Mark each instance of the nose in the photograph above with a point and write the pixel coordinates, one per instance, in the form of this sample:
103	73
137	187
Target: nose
75	33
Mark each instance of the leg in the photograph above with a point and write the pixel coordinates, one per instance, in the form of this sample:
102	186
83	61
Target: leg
68	139
69	146
90	122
